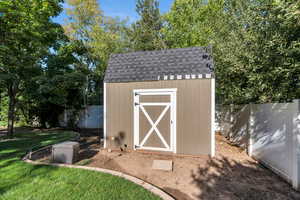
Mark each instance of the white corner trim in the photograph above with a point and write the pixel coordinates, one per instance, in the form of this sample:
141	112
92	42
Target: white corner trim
104	116
213	137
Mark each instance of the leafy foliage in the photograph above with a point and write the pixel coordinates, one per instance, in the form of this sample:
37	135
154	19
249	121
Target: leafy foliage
45	69
257	59
59	86
100	35
145	34
27	33
3	109
255	45
191	23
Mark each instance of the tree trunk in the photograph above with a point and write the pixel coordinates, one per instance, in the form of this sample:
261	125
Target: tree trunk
25	115
11	110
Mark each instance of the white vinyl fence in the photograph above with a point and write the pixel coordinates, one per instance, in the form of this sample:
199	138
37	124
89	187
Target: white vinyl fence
270	132
90	118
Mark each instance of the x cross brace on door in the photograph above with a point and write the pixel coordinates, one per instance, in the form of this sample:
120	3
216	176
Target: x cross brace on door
154	126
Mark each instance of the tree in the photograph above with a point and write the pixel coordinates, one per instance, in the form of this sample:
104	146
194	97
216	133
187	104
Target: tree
192	22
27	33
257	57
146	33
58	87
255	45
100	35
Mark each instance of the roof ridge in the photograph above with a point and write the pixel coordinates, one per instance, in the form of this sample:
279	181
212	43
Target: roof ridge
205	48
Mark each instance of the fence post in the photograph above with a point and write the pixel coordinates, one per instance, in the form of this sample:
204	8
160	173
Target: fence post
250	129
65	118
296	147
231	111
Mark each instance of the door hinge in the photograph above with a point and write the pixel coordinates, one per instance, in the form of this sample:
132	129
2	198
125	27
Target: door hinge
136	104
136	146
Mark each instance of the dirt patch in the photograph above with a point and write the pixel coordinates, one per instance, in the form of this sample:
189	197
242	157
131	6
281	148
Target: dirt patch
230	175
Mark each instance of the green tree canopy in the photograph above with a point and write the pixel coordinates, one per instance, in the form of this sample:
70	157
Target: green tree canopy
60	85
145	34
192	22
257	56
255	45
100	35
27	33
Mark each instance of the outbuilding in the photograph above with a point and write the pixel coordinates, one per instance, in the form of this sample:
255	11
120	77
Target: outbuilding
161	101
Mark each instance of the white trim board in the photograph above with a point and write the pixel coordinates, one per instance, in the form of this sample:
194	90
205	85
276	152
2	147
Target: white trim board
184	76
154	91
213	137
104	116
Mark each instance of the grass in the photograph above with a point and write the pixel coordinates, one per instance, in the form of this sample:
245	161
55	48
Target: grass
19	180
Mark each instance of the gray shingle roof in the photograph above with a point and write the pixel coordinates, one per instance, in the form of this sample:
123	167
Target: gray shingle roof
154	65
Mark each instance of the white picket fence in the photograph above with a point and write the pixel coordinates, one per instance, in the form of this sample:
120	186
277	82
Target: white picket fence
270	132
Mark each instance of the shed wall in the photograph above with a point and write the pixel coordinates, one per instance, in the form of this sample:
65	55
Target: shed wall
193	113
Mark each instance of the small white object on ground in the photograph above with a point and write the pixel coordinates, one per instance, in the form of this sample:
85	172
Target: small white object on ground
166	165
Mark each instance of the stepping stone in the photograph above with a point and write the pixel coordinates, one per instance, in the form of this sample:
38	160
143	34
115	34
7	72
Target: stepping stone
165	165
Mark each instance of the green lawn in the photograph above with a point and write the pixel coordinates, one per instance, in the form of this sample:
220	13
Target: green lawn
19	180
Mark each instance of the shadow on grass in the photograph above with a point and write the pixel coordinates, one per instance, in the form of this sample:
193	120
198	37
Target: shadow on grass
23	173
13	171
222	178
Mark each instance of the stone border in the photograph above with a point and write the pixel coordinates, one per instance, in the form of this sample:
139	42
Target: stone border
155	190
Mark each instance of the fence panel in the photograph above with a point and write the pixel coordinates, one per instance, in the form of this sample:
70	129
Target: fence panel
272	136
90	118
270	132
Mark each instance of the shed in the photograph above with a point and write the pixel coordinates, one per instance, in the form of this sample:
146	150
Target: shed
161	101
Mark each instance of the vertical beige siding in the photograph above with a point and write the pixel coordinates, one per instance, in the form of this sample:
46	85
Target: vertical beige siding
193	113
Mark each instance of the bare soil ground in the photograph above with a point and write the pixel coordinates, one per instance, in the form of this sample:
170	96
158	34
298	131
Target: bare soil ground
230	175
